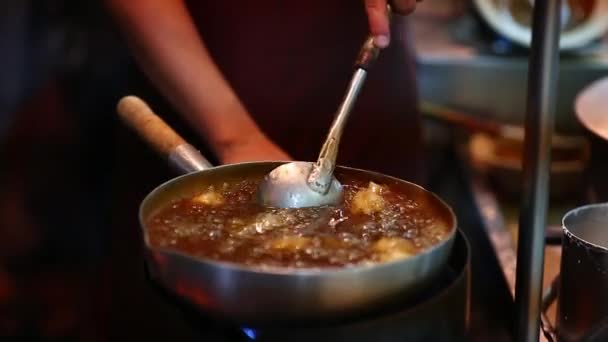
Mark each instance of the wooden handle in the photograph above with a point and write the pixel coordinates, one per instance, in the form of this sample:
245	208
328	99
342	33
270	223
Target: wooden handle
138	115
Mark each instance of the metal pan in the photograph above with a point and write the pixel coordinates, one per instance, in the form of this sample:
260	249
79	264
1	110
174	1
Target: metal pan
580	288
255	297
497	150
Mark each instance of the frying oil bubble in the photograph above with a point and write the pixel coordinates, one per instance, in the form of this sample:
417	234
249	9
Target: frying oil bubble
241	231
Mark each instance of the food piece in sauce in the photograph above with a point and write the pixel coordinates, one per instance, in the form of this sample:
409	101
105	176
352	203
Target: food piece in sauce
389	249
368	200
268	221
210	197
291	243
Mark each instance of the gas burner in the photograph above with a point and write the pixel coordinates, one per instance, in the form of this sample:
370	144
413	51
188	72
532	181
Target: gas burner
250	334
439	314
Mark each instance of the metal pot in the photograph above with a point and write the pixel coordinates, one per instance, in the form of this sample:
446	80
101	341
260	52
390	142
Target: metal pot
255	297
581	287
501	159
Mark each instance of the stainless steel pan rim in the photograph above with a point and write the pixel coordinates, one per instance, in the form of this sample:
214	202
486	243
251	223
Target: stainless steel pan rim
571	215
284	271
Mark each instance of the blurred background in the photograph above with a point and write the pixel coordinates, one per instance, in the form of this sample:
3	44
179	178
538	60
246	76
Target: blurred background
71	177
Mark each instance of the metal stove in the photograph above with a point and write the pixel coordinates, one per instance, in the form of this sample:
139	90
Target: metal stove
471	302
440	314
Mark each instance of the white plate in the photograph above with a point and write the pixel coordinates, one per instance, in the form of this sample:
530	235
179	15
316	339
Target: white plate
591	107
501	21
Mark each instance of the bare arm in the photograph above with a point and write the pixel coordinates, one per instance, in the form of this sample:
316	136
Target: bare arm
164	40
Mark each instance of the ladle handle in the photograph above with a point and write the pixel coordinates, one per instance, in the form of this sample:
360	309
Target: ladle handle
151	128
321	174
368	54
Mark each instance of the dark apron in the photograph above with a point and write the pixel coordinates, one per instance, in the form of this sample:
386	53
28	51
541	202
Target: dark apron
290	63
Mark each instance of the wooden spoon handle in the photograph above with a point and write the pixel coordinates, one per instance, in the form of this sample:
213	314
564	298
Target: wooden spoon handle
182	156
149	126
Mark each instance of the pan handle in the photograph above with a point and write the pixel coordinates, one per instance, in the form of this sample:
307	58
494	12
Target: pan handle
182	156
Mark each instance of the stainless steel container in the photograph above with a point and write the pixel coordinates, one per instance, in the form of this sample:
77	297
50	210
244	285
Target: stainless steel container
582	288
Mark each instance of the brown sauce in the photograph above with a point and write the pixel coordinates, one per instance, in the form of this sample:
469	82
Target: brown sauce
374	223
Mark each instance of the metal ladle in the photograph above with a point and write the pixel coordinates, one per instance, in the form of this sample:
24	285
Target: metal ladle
305	184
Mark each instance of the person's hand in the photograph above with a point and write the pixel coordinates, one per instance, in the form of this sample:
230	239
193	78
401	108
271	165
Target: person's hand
378	17
252	147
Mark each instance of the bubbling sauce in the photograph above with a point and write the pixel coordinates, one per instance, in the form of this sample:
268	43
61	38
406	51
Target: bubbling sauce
374	223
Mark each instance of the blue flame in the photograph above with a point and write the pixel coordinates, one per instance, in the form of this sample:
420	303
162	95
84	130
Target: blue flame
251	333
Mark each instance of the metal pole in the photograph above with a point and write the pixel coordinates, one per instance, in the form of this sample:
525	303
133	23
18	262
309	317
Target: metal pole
542	87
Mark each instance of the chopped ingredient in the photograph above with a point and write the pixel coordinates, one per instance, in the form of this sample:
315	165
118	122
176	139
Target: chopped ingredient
210	197
290	243
390	249
369	200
